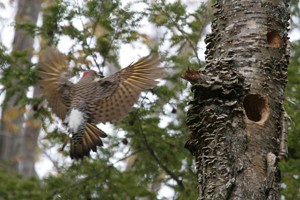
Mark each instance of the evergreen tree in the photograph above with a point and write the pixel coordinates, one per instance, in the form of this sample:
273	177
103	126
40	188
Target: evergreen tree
144	152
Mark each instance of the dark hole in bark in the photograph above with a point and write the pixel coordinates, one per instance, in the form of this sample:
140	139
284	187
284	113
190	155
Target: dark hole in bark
256	108
274	39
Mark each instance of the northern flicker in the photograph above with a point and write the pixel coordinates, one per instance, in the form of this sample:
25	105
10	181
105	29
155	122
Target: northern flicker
93	100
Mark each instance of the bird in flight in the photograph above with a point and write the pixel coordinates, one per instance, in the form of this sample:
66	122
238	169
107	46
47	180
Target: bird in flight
92	99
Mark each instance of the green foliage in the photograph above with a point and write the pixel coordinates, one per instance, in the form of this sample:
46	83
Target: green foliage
94	179
185	28
18	65
150	153
290	169
147	147
14	186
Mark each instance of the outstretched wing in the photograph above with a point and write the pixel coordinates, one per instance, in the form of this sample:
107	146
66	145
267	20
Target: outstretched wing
116	94
54	81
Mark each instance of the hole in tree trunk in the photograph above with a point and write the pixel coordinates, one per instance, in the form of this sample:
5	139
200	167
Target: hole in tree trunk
274	39
256	108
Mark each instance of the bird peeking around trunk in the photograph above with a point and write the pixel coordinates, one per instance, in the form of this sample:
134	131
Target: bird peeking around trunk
93	100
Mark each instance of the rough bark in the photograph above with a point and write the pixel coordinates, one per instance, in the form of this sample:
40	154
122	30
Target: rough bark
31	133
15	144
236	117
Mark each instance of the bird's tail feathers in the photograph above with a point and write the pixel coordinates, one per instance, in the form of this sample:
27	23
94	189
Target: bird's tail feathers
89	141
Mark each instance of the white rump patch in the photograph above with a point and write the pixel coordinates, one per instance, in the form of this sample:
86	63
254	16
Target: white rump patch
74	120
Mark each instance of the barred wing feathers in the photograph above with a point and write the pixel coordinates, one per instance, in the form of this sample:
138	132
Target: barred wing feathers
117	93
54	81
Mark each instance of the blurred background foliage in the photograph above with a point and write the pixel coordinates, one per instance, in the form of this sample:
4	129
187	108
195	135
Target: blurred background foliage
144	156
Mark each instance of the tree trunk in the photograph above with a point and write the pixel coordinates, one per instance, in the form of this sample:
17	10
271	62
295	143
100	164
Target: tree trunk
31	133
237	120
14	143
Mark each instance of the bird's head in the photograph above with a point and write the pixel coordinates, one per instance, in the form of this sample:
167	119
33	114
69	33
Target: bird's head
91	73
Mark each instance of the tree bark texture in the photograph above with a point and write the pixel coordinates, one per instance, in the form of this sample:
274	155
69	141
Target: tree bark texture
31	132
236	117
15	145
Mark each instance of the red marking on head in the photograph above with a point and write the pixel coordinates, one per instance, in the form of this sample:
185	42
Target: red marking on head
84	74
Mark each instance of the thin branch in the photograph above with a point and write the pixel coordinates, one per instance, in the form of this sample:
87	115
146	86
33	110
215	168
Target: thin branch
152	152
79	183
155	157
57	168
85	40
185	34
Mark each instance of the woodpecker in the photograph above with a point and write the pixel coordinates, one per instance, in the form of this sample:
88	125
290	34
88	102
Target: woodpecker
190	75
92	99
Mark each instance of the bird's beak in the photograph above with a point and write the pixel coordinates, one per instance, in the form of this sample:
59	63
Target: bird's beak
100	75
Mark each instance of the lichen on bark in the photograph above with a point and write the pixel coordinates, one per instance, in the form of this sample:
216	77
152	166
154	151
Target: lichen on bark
236	114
